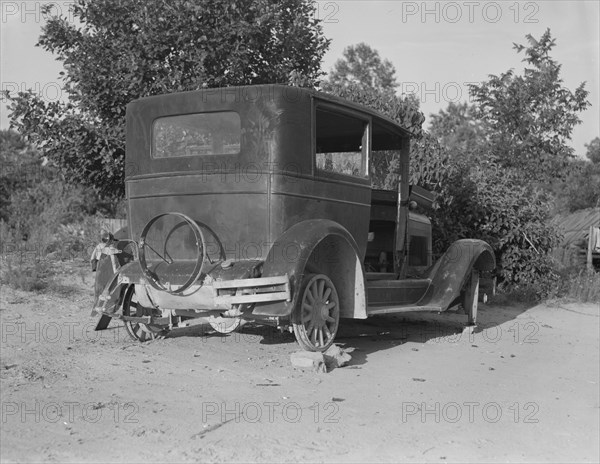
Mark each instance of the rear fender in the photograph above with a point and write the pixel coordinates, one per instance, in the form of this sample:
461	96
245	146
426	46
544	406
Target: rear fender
317	246
452	271
105	270
108	292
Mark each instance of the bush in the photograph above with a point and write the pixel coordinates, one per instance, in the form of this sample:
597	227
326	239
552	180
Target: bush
489	203
38	208
30	277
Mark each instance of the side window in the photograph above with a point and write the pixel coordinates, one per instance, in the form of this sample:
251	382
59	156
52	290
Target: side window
386	161
341	143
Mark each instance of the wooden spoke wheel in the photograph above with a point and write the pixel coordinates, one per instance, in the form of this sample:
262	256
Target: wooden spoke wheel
317	315
137	330
225	325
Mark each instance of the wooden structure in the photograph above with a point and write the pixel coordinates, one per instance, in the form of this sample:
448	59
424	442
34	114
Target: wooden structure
581	239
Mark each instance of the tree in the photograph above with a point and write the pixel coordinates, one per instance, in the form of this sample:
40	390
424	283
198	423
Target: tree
581	188
459	131
530	116
593	150
118	51
405	111
362	67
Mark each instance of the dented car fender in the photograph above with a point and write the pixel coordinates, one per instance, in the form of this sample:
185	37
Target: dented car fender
317	246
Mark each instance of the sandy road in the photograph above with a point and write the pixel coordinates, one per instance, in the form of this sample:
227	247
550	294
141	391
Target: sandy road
524	387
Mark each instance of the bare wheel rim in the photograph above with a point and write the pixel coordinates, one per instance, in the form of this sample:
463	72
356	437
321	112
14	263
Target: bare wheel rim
136	330
225	325
318	314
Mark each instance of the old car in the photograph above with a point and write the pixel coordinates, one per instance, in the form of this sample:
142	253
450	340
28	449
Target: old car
277	205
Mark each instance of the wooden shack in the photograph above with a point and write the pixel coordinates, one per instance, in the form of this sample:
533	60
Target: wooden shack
581	239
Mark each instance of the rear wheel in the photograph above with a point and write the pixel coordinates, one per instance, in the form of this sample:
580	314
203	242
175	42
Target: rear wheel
137	330
317	315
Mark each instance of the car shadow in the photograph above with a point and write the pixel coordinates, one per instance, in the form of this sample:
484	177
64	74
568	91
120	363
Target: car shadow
263	334
379	333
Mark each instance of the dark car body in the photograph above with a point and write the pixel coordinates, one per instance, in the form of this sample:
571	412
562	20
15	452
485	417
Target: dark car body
249	203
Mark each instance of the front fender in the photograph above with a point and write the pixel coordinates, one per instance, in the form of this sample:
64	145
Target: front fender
317	246
451	271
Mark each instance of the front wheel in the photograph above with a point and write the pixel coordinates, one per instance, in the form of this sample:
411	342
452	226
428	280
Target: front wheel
470	297
317	314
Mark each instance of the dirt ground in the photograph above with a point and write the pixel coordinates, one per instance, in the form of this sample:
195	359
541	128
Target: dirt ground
522	388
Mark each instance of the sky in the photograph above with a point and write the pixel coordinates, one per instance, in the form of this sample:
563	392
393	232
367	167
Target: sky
436	47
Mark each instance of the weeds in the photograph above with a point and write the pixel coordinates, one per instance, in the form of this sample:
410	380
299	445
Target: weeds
579	285
30	277
40	276
569	284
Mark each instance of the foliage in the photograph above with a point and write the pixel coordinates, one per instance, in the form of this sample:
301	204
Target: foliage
580	189
531	116
402	110
36	202
494	206
459	131
362	67
115	52
593	150
430	164
500	152
18	163
362	77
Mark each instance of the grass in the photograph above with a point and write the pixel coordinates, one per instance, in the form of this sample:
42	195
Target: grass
30	276
39	276
579	285
568	285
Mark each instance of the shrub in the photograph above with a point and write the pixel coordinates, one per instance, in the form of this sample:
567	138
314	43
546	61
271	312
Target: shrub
489	203
30	277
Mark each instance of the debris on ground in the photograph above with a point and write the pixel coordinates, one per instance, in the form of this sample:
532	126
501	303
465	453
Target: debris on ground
337	357
308	360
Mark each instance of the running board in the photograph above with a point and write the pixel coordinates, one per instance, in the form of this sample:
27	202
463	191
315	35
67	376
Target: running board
400	309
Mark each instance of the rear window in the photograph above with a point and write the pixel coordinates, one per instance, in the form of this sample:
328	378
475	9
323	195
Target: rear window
196	135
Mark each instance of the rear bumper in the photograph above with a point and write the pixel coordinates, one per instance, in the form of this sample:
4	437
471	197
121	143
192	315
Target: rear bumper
217	290
256	290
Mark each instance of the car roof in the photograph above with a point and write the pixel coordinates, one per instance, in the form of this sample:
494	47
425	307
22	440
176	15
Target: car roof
273	90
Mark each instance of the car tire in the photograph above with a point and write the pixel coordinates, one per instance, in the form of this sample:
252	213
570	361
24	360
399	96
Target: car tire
316	317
